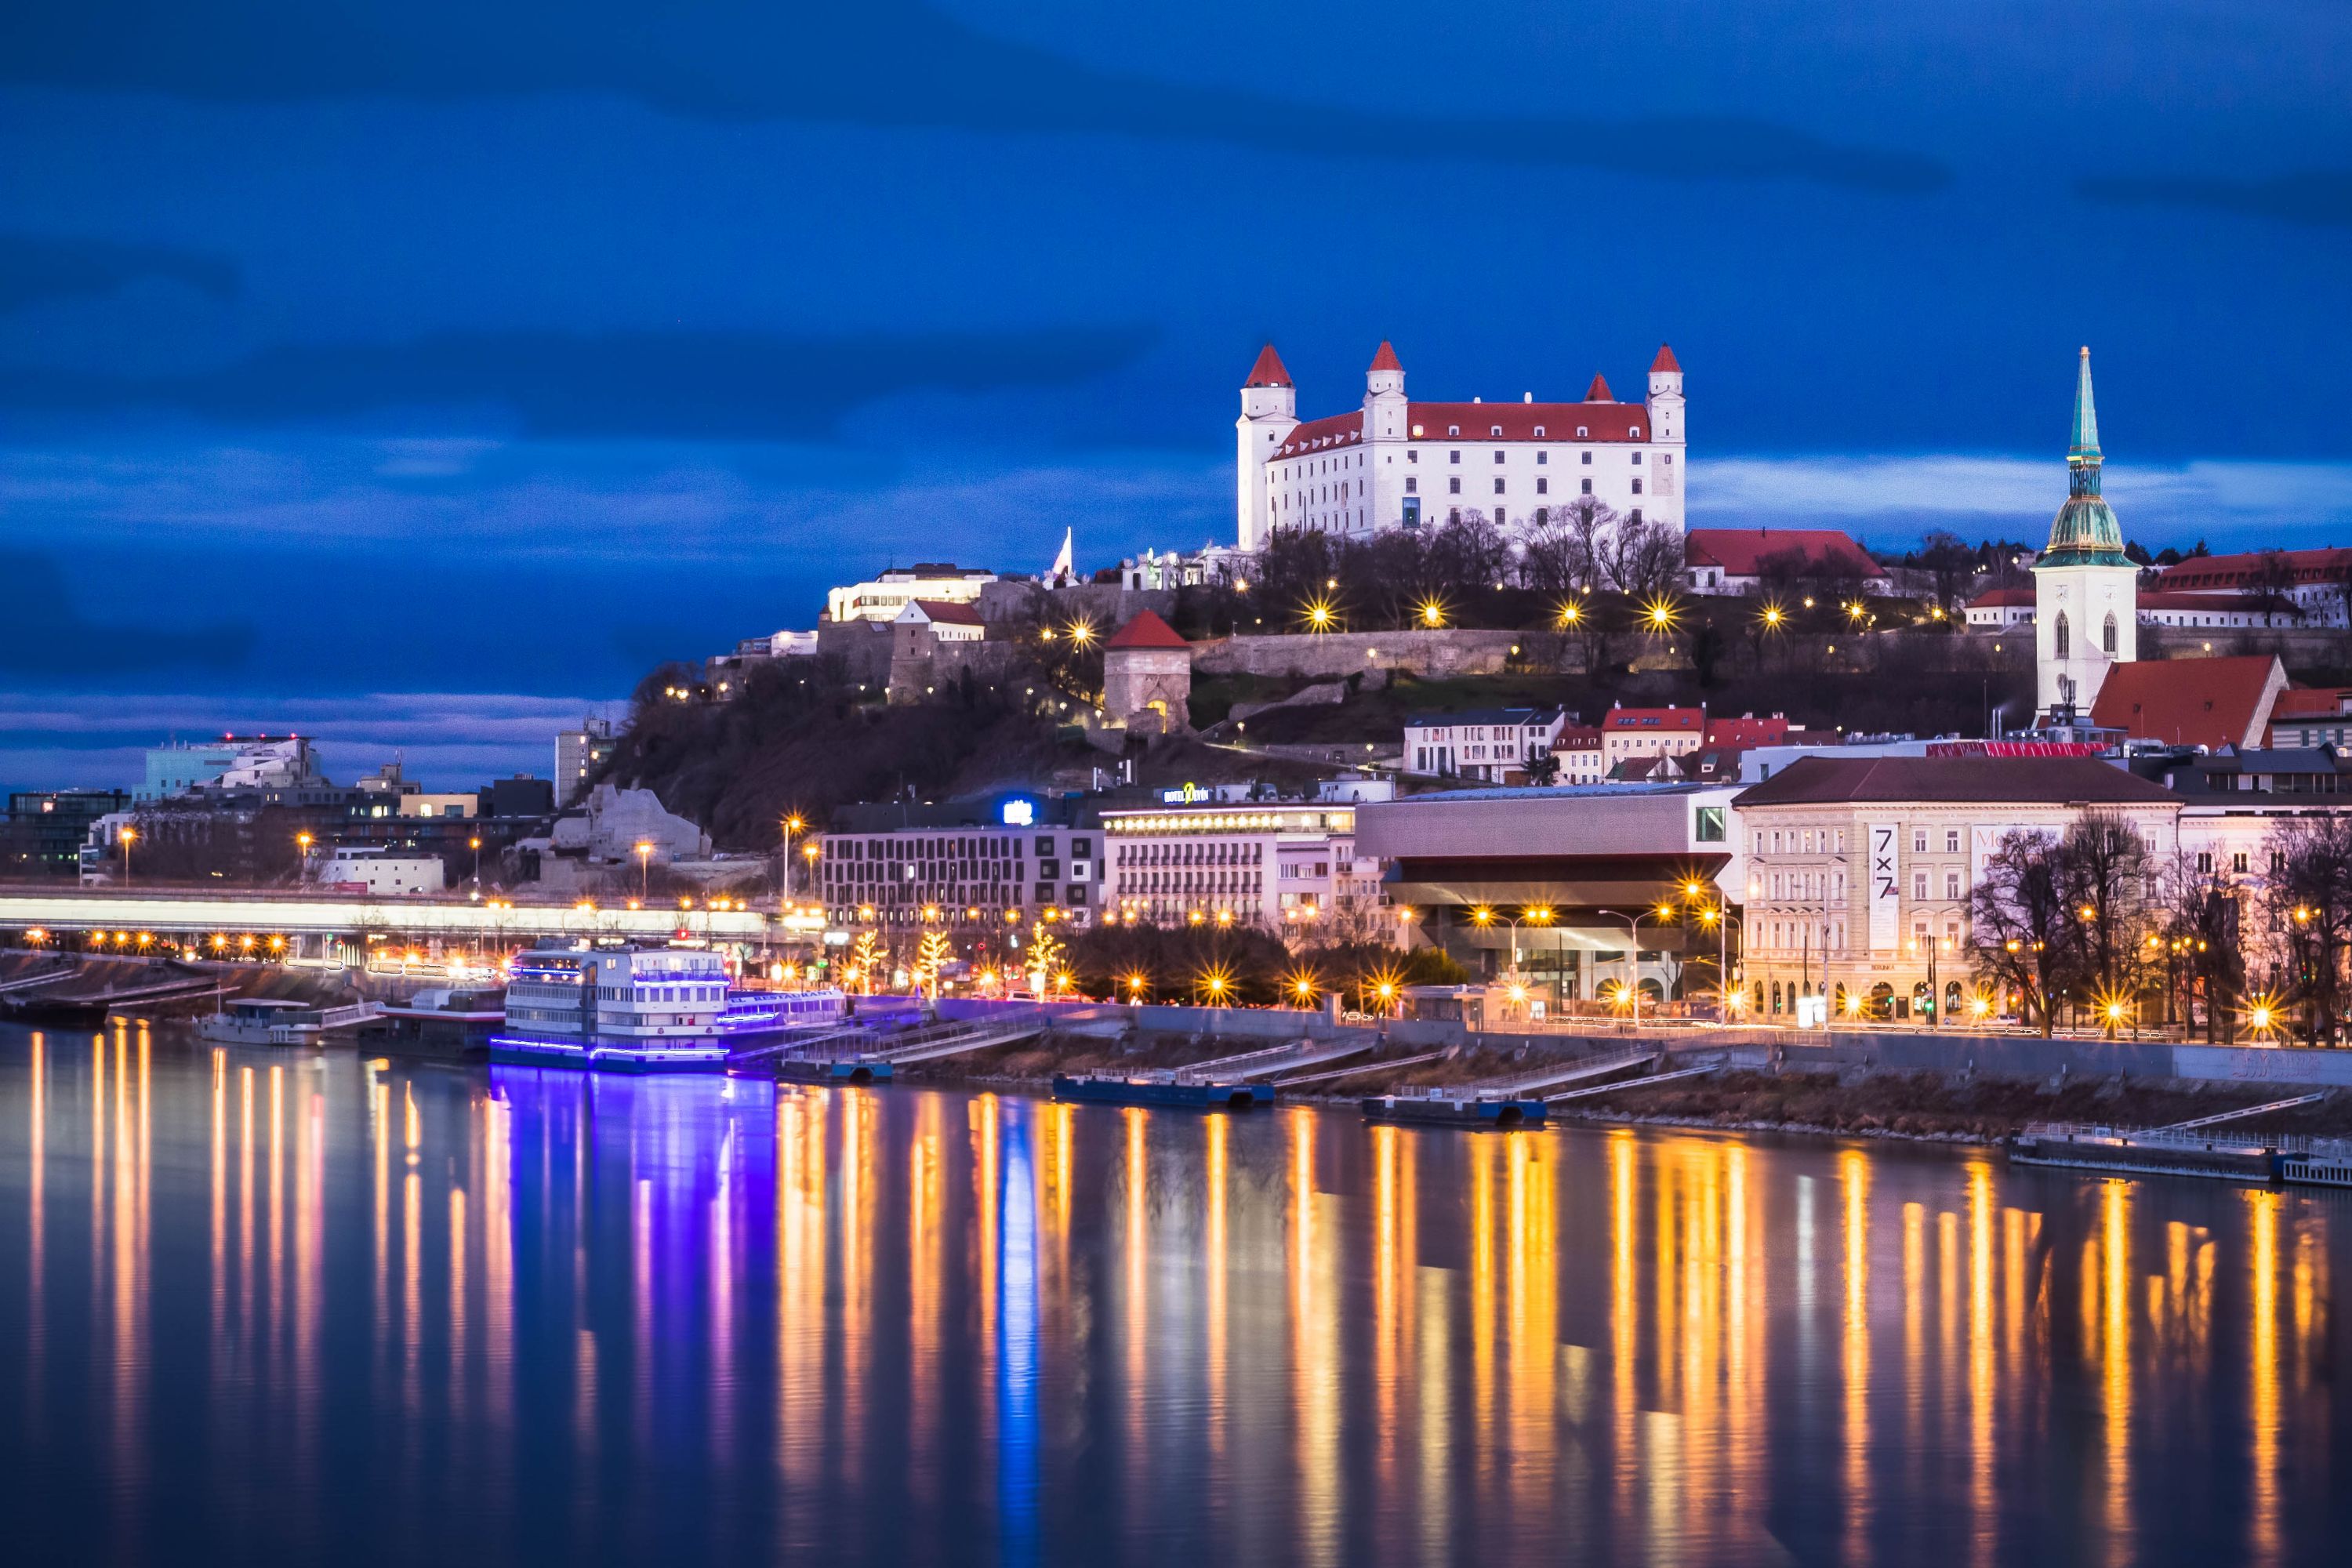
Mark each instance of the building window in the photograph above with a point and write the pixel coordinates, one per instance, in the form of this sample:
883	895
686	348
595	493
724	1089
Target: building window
2107	637
1498	484
2205	861
1499	451
1455	456
1951	841
1583	433
1637	459
1637	487
1952	884
2238	862
1634	516
1711	827
1587	487
1454	430
1409	483
1919	885
1543	487
1495	430
1667	459
1453	487
1918	841
2059	638
1540	436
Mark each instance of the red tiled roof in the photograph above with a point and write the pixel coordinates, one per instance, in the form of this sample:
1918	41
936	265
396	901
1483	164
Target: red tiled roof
2224	572
953	614
2310	702
1268	370
1665	362
1598	390
2190	701
2038	781
1147	630
1386	359
1654	719
1743	732
1478	422
1739	551
1576	738
2000	598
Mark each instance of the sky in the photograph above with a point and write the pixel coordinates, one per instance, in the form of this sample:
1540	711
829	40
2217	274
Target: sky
418	375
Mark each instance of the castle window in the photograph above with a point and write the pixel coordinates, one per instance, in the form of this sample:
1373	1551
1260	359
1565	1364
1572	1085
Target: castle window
1453	430
1583	433
1637	459
1498	454
2060	641
2107	637
1587	487
1543	487
1410	482
1635	433
1412	454
1498	484
1539	432
1637	487
1587	456
1453	487
1455	456
1416	432
1634	516
1494	429
1667	459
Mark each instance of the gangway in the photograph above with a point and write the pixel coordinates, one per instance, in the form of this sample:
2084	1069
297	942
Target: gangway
1359	1069
2240	1114
1576	1071
1273	1059
1589	1090
35	982
936	1040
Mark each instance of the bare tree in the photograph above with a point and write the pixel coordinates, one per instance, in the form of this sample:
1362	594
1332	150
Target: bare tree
2019	922
2308	900
1644	560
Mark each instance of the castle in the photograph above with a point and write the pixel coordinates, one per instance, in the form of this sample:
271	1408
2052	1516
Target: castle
1394	463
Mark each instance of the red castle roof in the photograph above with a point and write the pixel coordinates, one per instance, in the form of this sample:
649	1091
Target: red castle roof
1739	551
2191	701
1598	390
1386	359
1665	362
1147	630
1480	422
1268	370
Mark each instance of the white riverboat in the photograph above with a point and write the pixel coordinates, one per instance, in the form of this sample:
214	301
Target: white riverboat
615	1005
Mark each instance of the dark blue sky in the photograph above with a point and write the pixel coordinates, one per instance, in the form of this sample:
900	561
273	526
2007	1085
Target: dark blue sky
353	349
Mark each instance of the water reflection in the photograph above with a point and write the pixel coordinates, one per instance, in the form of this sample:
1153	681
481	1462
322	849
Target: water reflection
302	1307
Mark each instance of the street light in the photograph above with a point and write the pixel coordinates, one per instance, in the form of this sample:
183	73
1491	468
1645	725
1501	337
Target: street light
476	844
645	867
125	835
1634	927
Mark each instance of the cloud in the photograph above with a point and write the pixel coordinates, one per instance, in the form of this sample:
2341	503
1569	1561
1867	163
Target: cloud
709	384
37	268
454	740
882	62
1893	497
43	636
2320	197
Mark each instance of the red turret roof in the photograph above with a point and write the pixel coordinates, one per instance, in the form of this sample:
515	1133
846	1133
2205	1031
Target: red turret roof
1598	390
1386	359
1147	630
1268	370
1665	362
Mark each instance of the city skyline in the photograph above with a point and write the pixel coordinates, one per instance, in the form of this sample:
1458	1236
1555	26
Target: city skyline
651	347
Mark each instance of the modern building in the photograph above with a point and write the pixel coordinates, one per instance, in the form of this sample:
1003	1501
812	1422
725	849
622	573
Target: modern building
883	597
231	763
1570	880
1491	744
1733	561
579	754
1394	463
382	873
2086	615
1275	864
1005	861
46	829
1860	870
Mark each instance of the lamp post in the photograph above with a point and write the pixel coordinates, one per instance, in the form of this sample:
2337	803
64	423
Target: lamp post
1633	928
644	869
475	844
302	869
1720	917
124	836
791	826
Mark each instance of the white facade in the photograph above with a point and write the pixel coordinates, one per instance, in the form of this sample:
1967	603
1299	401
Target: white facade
383	875
882	598
1393	463
2085	623
1486	744
1274	865
971	877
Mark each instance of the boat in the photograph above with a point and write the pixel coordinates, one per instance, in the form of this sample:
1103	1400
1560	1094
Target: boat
751	1017
615	1005
1445	1108
1159	1088
2147	1152
276	1021
2318	1162
442	1021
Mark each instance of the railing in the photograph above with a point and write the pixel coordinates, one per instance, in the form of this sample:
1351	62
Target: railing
2162	1138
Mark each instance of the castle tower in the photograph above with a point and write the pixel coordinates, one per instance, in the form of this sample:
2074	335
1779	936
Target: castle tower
1148	678
1386	416
1667	397
1668	471
1269	413
2086	592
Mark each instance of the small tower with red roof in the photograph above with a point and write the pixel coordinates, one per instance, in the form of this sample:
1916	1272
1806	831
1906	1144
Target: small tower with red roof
1148	678
1269	413
1665	396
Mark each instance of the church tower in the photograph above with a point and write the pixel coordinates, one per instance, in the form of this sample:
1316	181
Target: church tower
1269	413
2085	593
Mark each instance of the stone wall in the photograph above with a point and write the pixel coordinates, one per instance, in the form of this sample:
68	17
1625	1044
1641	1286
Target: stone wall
1327	655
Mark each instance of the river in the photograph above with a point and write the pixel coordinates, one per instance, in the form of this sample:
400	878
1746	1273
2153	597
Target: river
297	1306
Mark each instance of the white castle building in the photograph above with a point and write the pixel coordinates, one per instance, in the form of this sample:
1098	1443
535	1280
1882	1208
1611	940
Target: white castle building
1394	463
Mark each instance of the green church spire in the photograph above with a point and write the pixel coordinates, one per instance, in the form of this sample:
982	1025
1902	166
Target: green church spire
2085	532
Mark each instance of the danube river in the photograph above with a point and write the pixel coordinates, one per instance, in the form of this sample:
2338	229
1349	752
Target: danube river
278	1307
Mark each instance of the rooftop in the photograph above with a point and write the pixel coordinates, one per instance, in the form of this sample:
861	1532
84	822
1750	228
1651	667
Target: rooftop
2070	781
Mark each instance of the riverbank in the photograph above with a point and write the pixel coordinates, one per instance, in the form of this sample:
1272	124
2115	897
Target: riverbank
1847	1102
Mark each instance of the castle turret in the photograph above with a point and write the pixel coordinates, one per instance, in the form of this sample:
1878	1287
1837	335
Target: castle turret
2086	590
1269	413
1665	396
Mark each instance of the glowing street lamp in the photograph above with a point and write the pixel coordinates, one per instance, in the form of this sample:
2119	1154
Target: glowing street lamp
126	834
645	867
